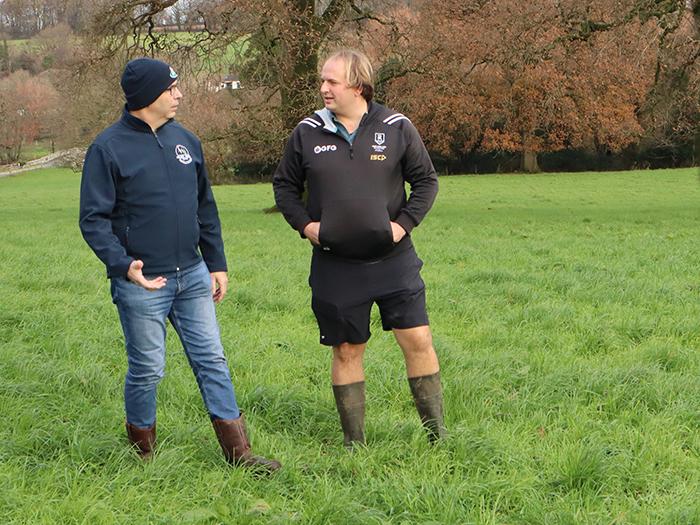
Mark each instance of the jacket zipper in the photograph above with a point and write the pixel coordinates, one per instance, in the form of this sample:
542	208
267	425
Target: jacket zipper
351	150
172	193
357	136
157	139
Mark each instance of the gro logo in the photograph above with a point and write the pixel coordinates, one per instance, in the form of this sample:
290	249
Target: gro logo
327	147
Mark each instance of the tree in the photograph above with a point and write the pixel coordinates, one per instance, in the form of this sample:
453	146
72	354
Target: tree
4	55
273	45
525	77
502	77
57	46
25	103
531	77
25	18
671	115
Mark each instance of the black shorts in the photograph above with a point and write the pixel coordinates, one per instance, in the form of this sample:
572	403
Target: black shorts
343	293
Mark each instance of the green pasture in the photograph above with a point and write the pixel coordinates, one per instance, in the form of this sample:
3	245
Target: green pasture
216	59
35	150
565	311
19	43
208	56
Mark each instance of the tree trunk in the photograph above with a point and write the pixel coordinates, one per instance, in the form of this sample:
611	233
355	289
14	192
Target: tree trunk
299	80
528	162
299	85
5	57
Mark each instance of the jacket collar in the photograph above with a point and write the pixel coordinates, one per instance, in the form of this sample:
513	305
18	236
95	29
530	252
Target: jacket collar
327	117
136	123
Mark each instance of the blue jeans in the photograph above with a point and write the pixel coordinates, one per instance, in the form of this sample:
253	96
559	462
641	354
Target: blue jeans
186	300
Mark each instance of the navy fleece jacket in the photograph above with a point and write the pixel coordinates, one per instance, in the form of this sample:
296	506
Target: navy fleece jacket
146	195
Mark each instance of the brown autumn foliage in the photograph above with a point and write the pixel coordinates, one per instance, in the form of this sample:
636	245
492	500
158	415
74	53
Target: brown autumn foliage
671	116
475	76
527	77
56	46
26	105
272	45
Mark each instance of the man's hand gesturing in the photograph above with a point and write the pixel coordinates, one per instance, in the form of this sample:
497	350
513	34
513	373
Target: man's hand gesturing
135	275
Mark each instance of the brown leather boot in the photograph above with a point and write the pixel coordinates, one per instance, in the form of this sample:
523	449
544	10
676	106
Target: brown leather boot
233	439
427	393
143	439
350	401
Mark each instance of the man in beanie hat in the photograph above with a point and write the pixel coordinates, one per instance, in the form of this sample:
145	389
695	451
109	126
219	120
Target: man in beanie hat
148	212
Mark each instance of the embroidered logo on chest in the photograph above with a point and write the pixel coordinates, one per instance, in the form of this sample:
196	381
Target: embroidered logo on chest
379	139
182	154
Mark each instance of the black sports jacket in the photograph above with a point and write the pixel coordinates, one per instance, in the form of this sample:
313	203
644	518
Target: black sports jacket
355	190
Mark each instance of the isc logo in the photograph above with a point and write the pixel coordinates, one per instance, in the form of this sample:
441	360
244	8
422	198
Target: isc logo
328	147
377	157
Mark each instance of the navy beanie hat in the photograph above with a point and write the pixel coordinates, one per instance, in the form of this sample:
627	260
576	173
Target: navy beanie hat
143	81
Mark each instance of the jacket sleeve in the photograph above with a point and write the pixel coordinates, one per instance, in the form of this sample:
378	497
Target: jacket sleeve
97	201
288	184
419	172
211	244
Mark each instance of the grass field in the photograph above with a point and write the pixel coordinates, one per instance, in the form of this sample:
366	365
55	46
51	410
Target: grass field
18	43
36	150
215	60
566	314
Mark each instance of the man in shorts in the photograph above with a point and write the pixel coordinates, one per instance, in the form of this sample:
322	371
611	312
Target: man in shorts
353	157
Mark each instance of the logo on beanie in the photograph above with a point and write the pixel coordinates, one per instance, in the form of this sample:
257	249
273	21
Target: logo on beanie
172	73
182	154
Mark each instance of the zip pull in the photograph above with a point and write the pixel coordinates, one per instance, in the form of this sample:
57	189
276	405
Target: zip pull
157	139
